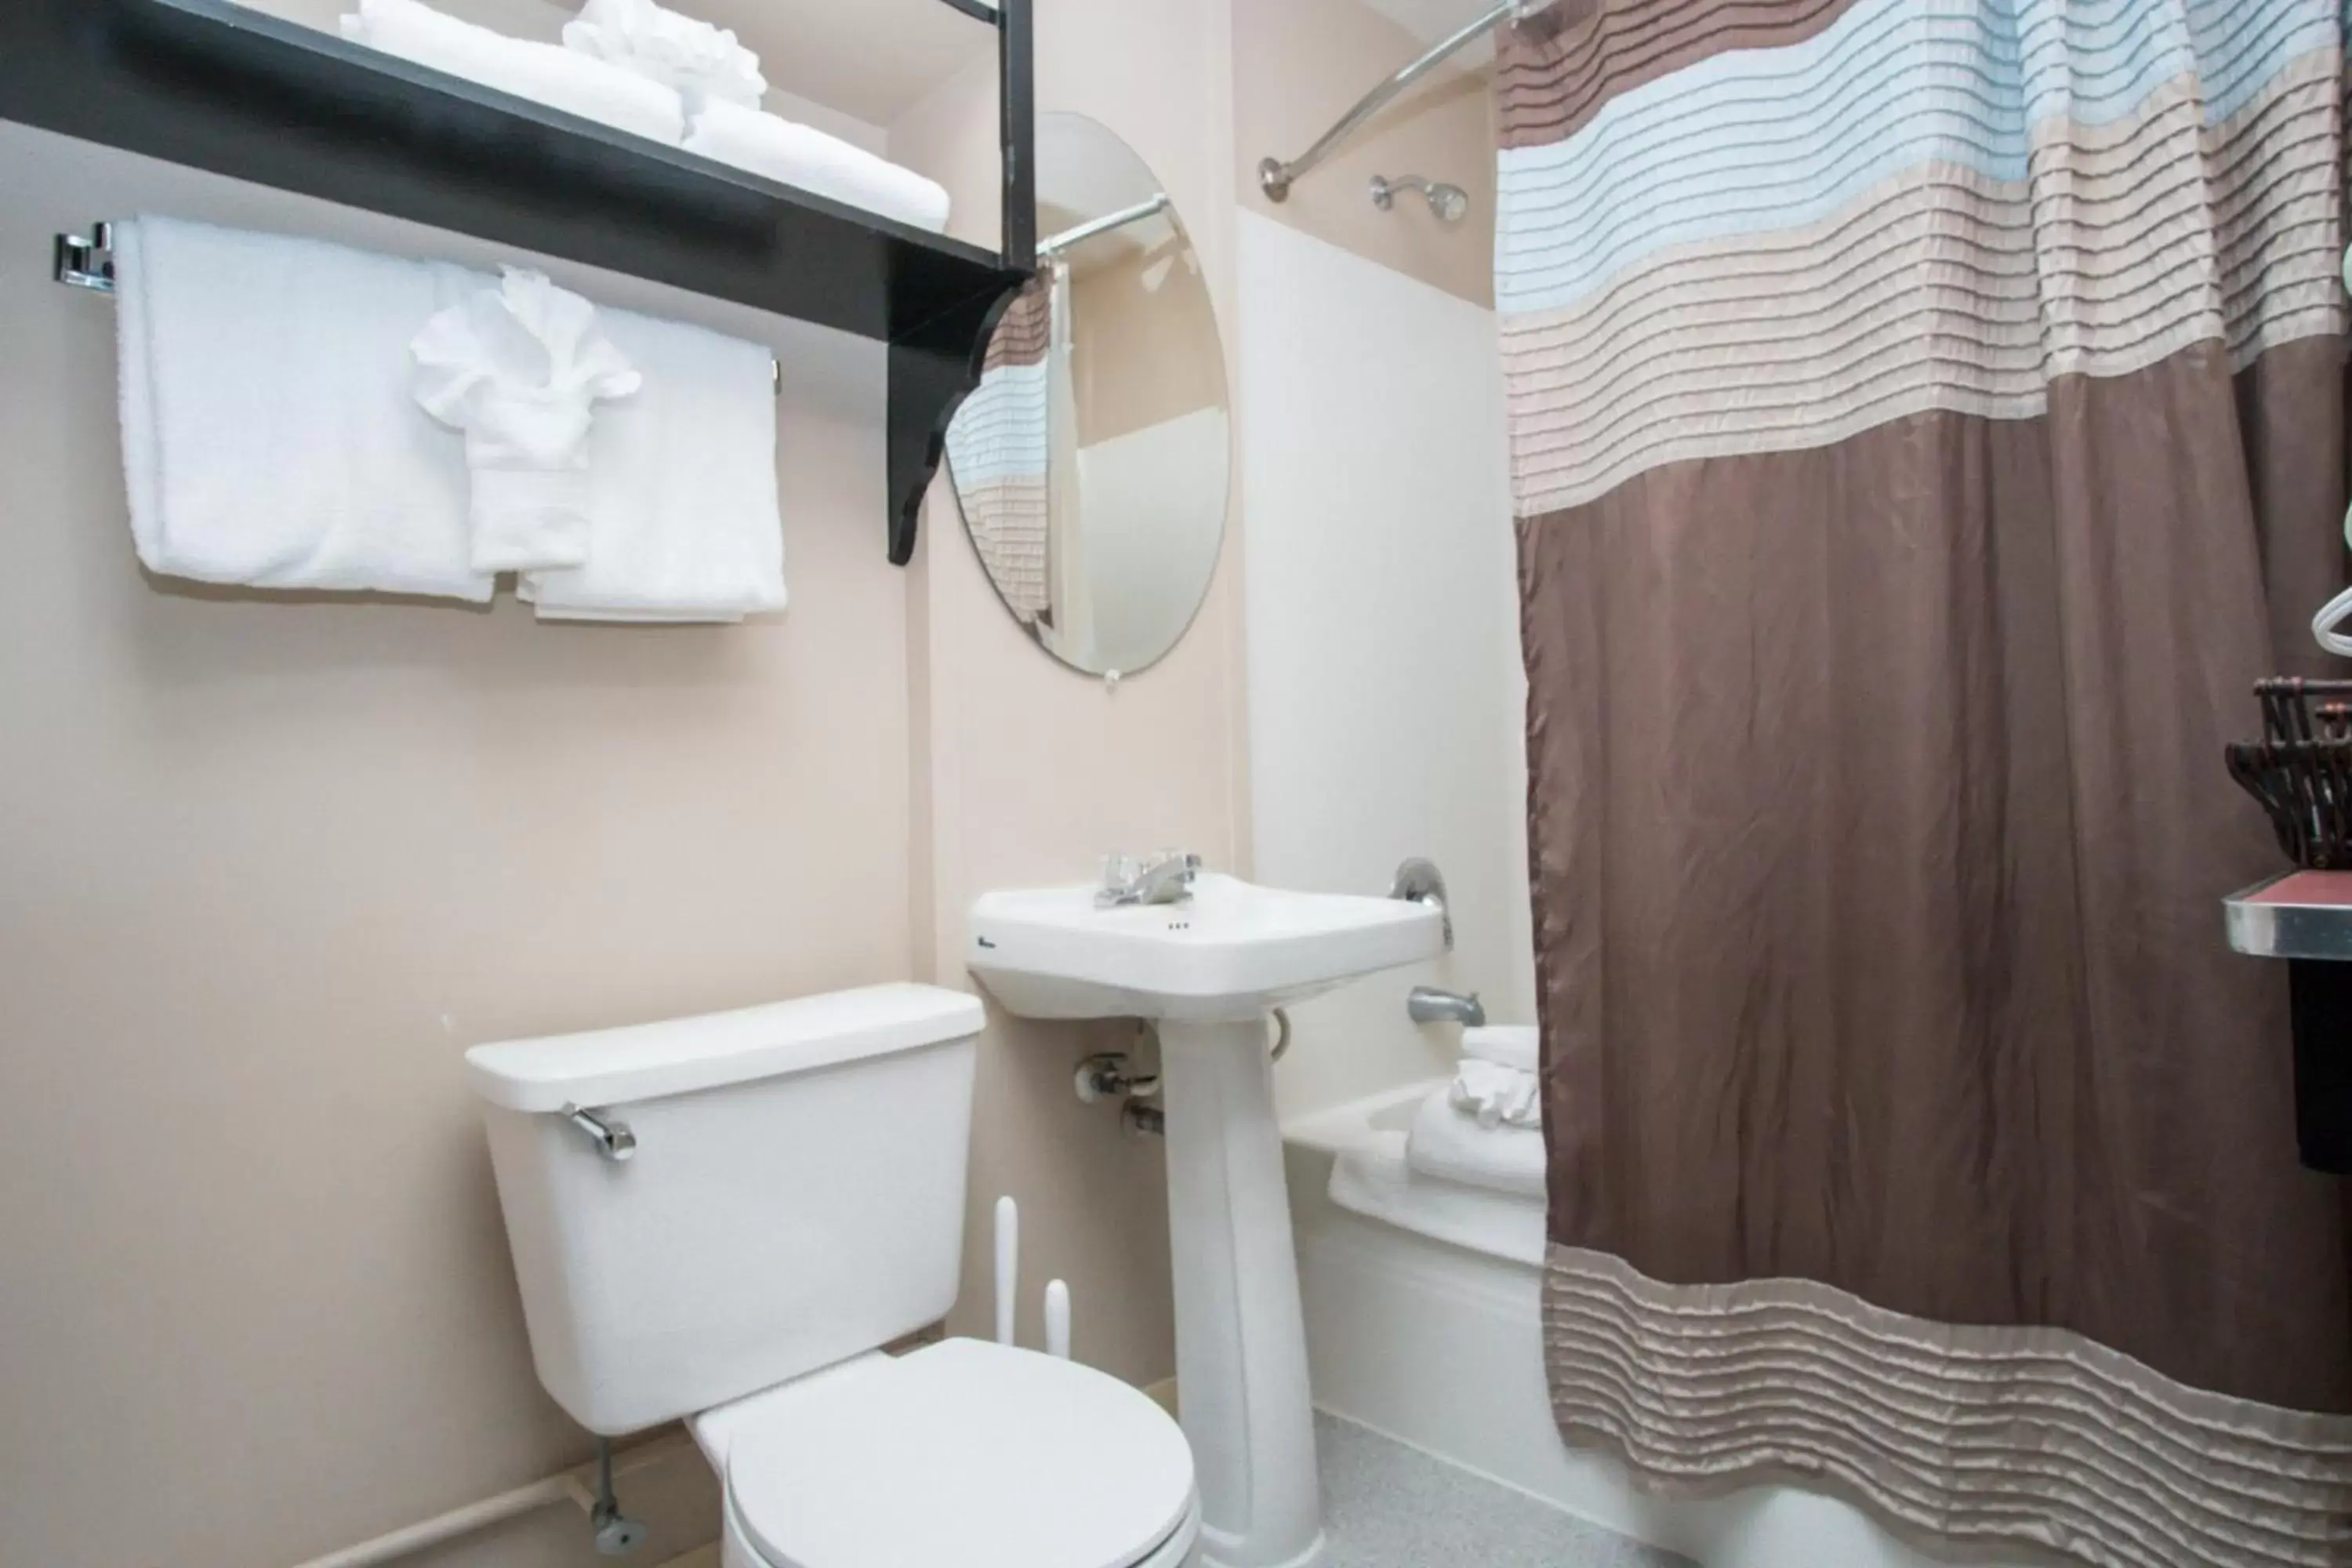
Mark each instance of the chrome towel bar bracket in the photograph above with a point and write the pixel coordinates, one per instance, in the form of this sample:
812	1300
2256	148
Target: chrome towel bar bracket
88	263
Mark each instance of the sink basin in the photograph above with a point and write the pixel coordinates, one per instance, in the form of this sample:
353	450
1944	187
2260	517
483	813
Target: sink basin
1230	954
1208	971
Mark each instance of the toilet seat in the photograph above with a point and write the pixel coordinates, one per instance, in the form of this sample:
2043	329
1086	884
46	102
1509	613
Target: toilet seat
967	1452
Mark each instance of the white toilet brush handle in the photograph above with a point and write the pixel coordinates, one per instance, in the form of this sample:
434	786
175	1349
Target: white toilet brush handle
1057	1320
1008	1266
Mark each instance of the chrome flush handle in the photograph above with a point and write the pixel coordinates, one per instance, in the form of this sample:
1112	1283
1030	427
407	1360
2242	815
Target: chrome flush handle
611	1136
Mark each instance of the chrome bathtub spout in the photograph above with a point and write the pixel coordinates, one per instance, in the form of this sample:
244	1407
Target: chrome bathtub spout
1428	1005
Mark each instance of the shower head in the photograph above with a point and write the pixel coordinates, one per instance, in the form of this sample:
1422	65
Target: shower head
1448	201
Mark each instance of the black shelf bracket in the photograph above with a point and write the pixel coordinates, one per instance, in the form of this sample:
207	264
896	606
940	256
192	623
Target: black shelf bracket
934	367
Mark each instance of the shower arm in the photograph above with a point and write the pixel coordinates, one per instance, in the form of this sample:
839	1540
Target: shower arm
1274	176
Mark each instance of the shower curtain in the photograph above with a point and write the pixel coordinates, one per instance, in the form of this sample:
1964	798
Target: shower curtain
999	452
1927	422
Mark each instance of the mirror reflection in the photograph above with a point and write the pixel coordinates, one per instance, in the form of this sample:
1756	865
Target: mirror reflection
1091	464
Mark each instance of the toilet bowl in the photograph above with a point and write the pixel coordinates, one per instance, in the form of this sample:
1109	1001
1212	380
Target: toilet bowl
721	1218
962	1452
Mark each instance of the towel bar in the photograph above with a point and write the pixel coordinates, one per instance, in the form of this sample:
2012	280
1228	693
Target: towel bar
89	263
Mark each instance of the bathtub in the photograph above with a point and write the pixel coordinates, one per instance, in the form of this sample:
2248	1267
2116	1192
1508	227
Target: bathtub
1423	1305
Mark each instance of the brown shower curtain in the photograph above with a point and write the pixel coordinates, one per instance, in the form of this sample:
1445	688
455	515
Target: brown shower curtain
1928	421
999	454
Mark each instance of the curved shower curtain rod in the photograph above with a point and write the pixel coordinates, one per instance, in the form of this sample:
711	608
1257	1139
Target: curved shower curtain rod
1151	206
1274	176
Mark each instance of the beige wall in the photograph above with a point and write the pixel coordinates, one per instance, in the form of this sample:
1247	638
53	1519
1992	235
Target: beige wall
1298	65
1034	769
1144	345
268	867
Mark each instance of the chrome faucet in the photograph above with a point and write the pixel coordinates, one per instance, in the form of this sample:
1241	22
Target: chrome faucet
1165	878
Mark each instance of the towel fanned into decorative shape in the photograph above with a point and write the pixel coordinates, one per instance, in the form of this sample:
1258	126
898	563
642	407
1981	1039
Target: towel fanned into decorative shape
519	369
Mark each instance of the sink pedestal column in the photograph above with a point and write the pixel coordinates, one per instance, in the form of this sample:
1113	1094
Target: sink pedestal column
1241	1342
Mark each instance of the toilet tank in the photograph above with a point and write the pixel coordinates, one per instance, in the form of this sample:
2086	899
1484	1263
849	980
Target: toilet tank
795	1195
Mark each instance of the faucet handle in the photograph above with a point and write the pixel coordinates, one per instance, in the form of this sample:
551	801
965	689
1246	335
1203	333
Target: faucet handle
1176	869
1152	880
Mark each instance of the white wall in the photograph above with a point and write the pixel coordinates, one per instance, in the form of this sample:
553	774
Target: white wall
1385	691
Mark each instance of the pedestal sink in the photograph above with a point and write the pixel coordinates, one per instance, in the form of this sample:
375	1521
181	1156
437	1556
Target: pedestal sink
1209	969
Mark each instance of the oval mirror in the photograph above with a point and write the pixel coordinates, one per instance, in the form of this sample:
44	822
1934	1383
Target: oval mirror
1091	464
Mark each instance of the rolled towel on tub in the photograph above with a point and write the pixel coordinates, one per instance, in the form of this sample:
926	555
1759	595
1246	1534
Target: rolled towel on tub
1505	1044
824	165
1492	1095
1450	1145
544	73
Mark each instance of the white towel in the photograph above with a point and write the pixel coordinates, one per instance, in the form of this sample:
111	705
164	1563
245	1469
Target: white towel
704	64
683	516
1495	1095
1445	1143
518	369
544	73
1495	1081
1509	1044
268	437
824	165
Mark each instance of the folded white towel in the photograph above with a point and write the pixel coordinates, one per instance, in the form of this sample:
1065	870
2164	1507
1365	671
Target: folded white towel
1445	1143
544	73
520	368
1510	1045
683	515
824	165
704	64
1495	1095
268	437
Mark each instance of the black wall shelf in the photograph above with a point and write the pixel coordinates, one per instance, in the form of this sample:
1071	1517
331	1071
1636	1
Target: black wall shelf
213	85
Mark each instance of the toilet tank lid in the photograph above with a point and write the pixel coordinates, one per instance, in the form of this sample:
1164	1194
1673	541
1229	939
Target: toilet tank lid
648	1062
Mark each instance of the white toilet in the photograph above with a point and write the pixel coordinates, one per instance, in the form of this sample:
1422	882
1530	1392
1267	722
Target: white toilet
725	1217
